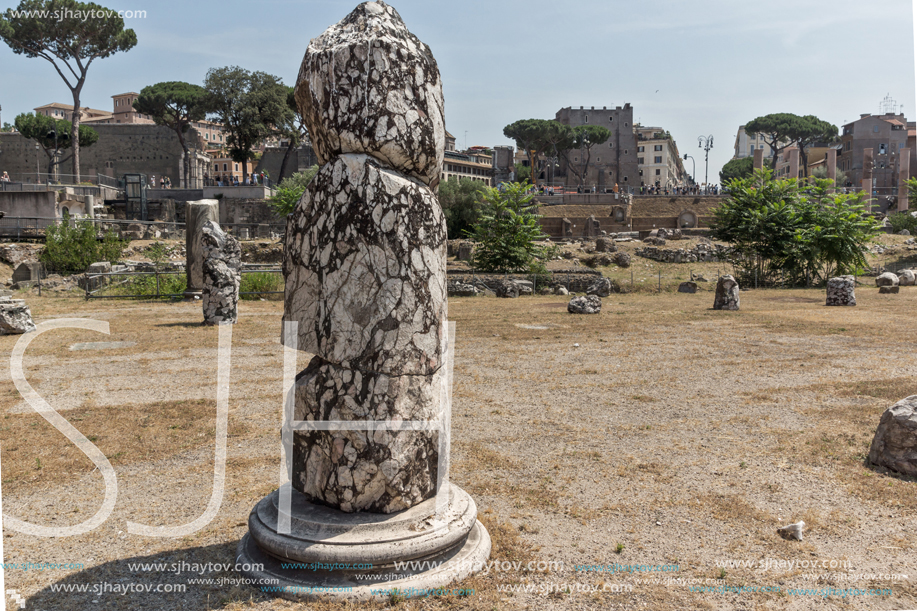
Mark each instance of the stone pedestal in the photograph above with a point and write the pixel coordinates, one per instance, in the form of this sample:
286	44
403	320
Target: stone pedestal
841	292
15	317
197	213
365	284
727	294
222	277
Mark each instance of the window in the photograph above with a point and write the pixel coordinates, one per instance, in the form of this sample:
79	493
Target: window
206	136
237	167
875	129
625	179
640	160
597	159
657	159
575	159
640	172
882	149
587	119
625	151
658	172
639	149
610	119
225	167
657	147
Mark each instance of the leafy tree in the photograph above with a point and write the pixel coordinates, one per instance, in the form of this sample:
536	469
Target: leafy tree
6	127
529	135
72	247
176	105
289	191
582	138
506	232
822	172
806	131
779	231
523	174
912	193
42	129
737	168
294	128
70	42
903	220
461	202
251	105
776	129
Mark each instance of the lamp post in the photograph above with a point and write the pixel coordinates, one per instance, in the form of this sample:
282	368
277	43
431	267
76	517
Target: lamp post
693	168
706	143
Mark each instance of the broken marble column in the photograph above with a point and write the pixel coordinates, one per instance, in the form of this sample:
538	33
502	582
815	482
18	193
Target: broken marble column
222	275
841	291
365	283
727	294
15	317
197	213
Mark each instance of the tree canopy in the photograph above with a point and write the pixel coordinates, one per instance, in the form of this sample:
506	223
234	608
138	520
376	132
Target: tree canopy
42	130
461	201
79	33
529	135
582	138
737	168
251	106
782	233
176	105
782	129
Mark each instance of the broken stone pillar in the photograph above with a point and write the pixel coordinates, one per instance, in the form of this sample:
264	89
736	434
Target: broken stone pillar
364	267
222	264
567	228
867	179
894	445
15	317
727	294
904	170
196	216
758	161
841	291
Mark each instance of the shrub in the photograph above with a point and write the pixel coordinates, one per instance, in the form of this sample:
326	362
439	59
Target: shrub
261	283
903	220
290	190
71	248
506	232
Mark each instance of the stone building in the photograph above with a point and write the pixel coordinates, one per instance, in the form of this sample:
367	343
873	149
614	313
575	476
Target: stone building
745	145
301	158
658	161
886	135
504	166
474	165
615	161
152	150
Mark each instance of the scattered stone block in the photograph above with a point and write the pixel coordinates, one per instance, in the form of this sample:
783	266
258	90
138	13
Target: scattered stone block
887	279
792	531
465	251
605	245
889	290
727	294
506	289
894	445
15	317
561	290
687	287
622	259
603	287
30	271
585	304
906	277
461	289
841	291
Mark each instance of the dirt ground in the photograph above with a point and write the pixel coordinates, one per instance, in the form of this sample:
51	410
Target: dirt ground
659	436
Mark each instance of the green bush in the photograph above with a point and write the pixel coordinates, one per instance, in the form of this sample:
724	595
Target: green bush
169	284
290	190
71	248
261	283
506	232
903	220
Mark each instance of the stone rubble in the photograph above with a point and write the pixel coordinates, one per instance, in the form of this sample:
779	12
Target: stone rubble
701	252
887	279
687	287
841	291
585	304
15	317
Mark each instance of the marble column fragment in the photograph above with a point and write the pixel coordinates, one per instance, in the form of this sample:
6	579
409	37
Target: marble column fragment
197	213
222	275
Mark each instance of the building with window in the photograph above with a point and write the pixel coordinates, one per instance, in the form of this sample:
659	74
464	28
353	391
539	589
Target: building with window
658	161
886	135
64	112
614	161
745	145
472	164
224	169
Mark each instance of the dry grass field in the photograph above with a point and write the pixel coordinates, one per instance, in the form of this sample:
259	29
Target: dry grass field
659	432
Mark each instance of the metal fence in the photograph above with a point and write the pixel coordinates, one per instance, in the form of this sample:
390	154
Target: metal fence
94	286
20	227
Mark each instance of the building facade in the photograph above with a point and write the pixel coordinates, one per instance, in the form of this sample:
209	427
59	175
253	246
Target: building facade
658	161
610	163
470	164
887	136
745	145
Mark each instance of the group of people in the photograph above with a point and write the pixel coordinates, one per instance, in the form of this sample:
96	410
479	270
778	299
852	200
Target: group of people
164	182
689	190
230	180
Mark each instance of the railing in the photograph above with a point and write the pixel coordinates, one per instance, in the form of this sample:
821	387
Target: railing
34	227
215	182
93	293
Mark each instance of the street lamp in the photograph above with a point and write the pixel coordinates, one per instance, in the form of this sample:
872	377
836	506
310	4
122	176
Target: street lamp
706	143
693	168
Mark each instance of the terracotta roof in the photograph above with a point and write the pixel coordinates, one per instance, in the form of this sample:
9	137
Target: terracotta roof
128	93
448	135
894	121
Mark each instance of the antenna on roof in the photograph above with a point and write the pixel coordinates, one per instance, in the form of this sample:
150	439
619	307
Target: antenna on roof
888	105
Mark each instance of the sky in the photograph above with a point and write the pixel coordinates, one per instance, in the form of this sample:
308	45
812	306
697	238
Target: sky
694	68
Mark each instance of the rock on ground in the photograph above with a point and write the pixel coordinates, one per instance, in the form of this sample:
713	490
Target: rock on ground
906	277
727	294
585	304
841	291
895	443
887	279
15	317
687	287
602	287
